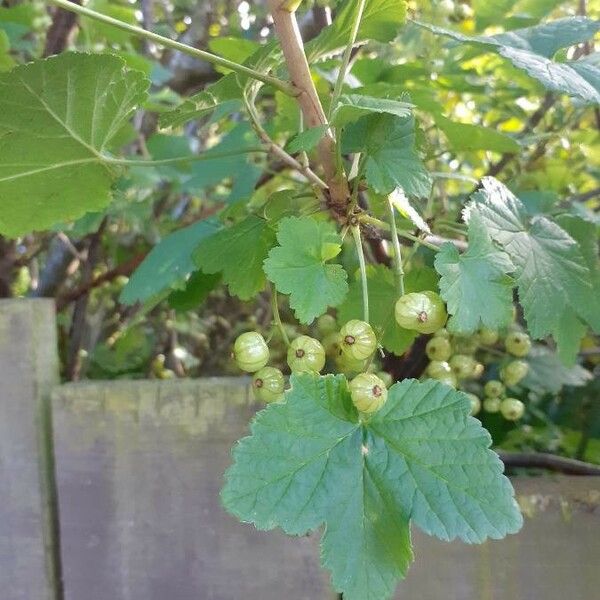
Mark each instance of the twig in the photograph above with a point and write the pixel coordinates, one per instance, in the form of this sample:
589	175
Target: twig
397	250
288	33
363	271
279	84
550	462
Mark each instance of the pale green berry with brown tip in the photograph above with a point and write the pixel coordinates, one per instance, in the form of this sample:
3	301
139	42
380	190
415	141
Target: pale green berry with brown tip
358	340
517	343
251	352
438	348
465	344
512	409
493	388
492	405
368	393
514	372
475	403
462	365
424	312
268	385
306	355
348	365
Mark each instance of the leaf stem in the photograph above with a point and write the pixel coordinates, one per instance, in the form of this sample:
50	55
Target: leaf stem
283	86
337	90
397	250
363	270
385	227
126	162
277	316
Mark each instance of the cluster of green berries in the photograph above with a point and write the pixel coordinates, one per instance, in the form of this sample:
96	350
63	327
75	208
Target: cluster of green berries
453	361
352	351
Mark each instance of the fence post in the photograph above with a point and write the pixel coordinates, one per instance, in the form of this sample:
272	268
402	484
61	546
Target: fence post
29	548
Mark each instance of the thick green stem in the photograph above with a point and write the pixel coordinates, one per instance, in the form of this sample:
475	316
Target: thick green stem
337	90
277	316
397	250
363	271
279	84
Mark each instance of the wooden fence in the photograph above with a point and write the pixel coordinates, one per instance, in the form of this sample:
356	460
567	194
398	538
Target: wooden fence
110	491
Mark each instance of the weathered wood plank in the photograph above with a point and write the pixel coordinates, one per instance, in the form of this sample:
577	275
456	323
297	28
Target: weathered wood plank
28	370
140	467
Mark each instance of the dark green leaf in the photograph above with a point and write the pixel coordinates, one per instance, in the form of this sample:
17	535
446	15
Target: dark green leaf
306	140
547	374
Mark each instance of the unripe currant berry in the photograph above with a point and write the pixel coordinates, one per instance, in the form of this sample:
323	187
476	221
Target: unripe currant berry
475	404
518	343
443	333
368	392
493	388
326	324
462	365
251	352
512	409
358	340
514	372
348	365
386	378
332	344
491	405
478	370
306	355
449	380
268	385
438	348
463	11
487	336
439	368
424	312
465	344
446	8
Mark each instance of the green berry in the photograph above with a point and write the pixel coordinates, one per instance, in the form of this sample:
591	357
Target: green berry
514	372
386	378
491	405
424	312
439	368
268	385
332	344
443	333
463	11
475	404
449	380
348	365
465	345
358	340
493	388
438	348
446	8
512	409
518	343
306	355
368	392
251	352
326	324
462	365
487	336
478	370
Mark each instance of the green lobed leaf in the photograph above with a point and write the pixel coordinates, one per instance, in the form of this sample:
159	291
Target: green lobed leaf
352	107
467	136
383	294
306	140
476	285
167	265
551	272
380	22
299	266
310	461
548	374
530	49
195	292
58	119
238	253
392	158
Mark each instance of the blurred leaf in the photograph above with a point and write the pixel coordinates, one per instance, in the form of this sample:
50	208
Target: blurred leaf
469	137
168	264
197	289
52	149
352	107
547	374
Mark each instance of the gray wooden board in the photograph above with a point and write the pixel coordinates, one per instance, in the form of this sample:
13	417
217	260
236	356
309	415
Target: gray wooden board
28	369
140	466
